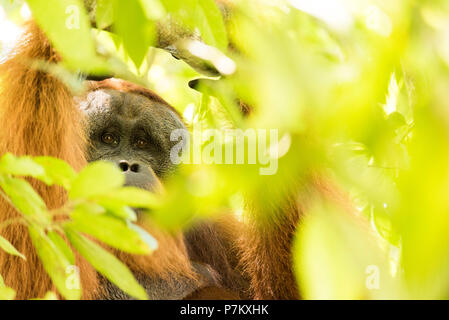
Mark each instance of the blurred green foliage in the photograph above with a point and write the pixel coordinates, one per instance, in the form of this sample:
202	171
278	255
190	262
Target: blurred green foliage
89	210
357	89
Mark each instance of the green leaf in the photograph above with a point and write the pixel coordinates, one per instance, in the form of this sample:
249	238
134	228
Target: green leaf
119	201
333	254
57	171
104	13
110	230
90	207
211	25
95	179
9	248
50	295
203	15
144	235
136	30
25	198
47	169
154	9
182	11
109	206
117	209
106	263
131	196
20	166
63	247
66	24
7	293
54	261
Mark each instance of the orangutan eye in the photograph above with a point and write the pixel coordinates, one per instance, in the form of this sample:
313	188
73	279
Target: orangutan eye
109	138
141	143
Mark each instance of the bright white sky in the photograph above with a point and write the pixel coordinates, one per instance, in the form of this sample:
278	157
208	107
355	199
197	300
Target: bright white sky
9	32
333	12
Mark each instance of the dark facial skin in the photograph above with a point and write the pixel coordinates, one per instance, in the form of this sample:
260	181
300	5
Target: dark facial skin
131	131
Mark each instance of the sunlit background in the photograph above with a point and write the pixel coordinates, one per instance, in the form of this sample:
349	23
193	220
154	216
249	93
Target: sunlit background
359	91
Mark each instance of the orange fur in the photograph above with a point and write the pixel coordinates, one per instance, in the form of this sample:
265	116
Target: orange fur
265	244
168	262
265	250
37	117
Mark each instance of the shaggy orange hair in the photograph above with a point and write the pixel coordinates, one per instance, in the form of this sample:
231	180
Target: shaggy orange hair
38	116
